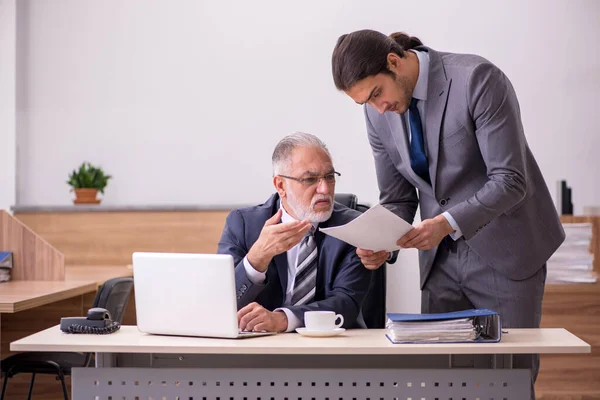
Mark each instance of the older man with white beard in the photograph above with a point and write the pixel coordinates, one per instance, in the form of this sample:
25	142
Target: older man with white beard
284	266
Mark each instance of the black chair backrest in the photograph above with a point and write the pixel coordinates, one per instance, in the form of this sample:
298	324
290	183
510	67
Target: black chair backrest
113	295
348	199
373	307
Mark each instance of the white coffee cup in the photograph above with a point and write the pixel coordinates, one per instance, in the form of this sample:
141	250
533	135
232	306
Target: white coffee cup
322	320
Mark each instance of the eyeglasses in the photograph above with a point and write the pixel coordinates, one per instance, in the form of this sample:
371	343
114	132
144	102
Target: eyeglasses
314	180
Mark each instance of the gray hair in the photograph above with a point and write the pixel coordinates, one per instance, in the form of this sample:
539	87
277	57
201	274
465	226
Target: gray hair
283	150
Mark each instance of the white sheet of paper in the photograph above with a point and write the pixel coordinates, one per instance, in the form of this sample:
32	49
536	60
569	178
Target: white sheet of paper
376	229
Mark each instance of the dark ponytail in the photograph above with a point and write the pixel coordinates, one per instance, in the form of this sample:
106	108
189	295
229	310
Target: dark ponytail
405	41
361	54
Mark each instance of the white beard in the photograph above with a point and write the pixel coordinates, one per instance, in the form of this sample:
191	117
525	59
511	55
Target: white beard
302	212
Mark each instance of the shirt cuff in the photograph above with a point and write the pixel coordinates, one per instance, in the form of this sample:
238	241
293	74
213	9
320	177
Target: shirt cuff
255	276
457	234
293	321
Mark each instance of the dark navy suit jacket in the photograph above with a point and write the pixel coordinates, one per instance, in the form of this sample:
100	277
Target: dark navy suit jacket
342	280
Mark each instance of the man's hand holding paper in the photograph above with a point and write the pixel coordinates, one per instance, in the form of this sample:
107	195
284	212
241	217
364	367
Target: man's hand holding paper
375	233
372	259
427	234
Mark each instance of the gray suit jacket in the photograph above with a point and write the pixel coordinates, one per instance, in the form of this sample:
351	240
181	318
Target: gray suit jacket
482	170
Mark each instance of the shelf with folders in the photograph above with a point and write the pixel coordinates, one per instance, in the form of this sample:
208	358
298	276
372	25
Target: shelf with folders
573	261
575	307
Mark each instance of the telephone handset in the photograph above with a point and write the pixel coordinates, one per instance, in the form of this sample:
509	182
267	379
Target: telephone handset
98	322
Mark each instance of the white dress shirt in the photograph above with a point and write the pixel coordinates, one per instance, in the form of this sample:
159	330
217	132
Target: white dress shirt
420	93
258	277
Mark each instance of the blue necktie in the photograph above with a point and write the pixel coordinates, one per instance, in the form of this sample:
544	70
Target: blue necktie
418	159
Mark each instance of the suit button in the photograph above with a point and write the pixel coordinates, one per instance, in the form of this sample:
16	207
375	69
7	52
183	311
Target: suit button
244	287
443	202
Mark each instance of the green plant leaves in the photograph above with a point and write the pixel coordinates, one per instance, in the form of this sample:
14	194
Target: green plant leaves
88	176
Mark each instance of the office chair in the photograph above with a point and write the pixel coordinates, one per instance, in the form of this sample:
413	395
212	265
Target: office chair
373	307
113	295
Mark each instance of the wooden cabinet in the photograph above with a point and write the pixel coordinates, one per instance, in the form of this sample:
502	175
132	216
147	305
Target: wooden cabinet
575	307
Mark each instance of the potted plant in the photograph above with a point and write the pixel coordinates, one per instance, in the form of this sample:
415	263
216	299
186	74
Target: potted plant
86	182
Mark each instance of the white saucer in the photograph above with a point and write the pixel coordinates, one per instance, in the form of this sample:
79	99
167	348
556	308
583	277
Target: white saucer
306	332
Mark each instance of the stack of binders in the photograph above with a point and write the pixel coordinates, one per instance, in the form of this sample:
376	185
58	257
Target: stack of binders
573	262
6	264
477	325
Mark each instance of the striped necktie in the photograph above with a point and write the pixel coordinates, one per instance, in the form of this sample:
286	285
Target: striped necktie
306	270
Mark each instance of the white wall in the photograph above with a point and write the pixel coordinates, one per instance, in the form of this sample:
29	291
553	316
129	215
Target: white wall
7	104
403	294
182	101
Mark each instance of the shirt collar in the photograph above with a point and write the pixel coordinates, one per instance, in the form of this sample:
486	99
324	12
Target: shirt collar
420	91
285	217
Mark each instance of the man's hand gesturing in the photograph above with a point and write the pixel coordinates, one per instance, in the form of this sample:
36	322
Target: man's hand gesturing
274	239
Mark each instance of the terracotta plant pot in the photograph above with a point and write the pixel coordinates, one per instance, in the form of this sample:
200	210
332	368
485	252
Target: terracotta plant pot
86	196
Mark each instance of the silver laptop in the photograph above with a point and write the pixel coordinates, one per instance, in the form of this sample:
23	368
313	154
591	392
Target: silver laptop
187	295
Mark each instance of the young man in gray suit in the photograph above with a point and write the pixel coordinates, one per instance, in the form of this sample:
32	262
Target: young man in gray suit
449	126
284	265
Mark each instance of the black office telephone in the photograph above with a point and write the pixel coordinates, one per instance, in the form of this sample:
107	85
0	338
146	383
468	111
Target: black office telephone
98	322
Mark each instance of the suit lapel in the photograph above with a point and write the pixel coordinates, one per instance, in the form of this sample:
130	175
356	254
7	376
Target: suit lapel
400	135
437	97
281	264
280	260
322	274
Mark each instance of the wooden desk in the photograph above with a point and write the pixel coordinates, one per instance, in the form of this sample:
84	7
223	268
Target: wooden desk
357	364
18	296
354	341
30	306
